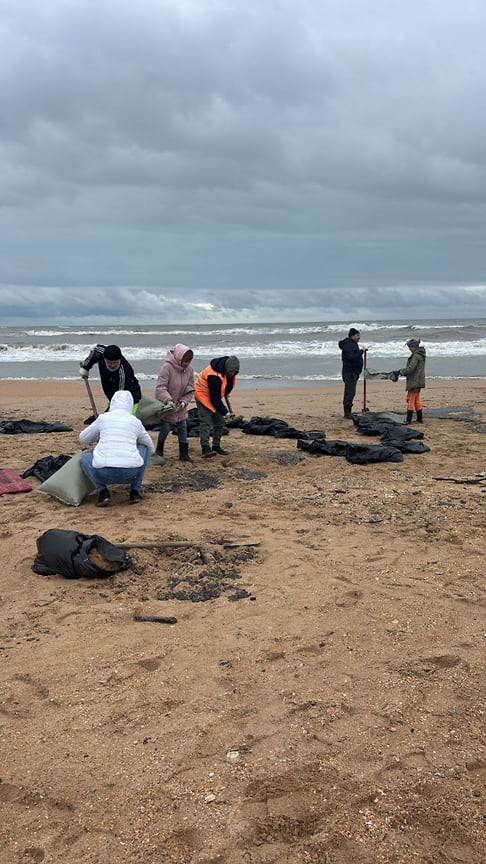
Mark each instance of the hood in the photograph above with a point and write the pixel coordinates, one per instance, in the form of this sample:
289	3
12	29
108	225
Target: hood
232	365
122	400
175	355
219	364
343	342
420	350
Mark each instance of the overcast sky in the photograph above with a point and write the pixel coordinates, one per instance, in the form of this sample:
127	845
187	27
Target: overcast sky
242	160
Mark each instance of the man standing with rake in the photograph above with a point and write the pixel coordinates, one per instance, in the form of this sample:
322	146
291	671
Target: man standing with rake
352	359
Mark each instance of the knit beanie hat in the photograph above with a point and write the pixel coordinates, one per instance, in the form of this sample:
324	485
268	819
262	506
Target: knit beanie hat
112	352
413	343
353	332
232	365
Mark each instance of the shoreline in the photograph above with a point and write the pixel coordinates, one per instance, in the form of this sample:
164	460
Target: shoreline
317	407
57	386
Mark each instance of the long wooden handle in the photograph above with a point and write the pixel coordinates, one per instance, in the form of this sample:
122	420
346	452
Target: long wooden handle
159	544
364	379
182	544
91	399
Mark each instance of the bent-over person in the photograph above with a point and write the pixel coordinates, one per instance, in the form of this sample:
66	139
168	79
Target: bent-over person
116	373
214	384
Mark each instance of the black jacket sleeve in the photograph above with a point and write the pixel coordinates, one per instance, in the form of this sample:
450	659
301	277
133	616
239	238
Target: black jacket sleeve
231	383
214	385
94	356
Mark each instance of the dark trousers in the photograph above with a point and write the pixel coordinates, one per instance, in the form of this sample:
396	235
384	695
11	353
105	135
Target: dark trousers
350	383
165	427
210	423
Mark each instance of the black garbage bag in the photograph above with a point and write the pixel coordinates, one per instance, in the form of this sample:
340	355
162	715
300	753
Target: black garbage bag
400	433
372	425
411	446
67	554
323	448
46	467
14	427
264	426
405	439
361	454
277	429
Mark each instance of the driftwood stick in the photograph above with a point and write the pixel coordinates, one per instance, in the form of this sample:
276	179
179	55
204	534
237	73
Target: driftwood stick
159	544
183	544
157	619
228	544
464	480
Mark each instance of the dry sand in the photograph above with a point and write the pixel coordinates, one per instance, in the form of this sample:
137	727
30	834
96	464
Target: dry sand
335	715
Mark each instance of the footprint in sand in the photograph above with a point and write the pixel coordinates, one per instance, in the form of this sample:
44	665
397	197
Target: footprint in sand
151	663
36	853
350	598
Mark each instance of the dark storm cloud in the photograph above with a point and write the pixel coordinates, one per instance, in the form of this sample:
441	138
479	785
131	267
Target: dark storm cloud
219	158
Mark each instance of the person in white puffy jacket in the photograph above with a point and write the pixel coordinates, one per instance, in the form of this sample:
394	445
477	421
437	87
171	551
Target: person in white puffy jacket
121	452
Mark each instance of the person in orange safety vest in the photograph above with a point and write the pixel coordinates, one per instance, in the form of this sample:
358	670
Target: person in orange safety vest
214	383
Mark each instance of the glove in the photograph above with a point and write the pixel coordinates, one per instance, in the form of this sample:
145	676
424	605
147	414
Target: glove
396	372
169	404
182	404
83	372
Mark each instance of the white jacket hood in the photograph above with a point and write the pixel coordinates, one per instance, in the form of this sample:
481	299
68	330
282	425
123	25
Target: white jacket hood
123	400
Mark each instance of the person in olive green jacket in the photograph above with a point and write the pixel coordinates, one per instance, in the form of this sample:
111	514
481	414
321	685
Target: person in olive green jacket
414	372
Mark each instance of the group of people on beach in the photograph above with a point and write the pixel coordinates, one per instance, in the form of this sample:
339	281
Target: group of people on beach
122	444
414	373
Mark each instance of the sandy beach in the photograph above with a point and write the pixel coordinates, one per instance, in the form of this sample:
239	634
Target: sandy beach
328	706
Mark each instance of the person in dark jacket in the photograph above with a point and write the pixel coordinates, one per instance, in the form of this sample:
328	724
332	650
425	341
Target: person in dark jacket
116	373
414	372
214	383
352	358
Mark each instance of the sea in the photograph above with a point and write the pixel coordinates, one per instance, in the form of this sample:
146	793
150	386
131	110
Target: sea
271	355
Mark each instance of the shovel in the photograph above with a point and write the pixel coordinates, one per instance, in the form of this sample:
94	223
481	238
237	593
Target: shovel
365	408
90	394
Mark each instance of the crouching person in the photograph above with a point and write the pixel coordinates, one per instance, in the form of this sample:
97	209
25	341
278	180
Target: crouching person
121	452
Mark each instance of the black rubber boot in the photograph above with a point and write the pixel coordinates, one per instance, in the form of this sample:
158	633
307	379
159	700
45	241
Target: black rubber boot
218	449
206	451
409	416
160	447
420	417
184	452
103	498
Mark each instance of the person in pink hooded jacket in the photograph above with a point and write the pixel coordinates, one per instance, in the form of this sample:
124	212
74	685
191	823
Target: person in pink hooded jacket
175	385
